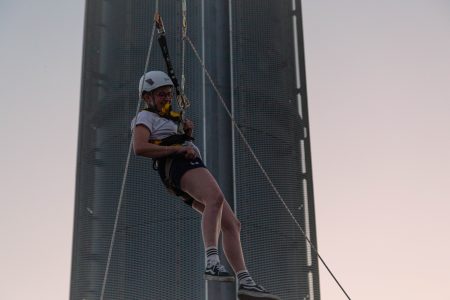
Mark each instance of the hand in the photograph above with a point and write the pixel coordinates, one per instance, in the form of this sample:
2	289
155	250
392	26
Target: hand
188	152
188	127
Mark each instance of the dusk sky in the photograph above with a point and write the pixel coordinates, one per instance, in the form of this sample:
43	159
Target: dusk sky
378	76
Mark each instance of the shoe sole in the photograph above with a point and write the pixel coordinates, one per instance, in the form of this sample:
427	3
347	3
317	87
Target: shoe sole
250	295
218	278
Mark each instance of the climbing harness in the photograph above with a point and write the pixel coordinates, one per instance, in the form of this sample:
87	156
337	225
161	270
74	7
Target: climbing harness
164	165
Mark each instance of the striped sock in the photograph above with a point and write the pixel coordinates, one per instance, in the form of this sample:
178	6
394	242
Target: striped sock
212	255
245	278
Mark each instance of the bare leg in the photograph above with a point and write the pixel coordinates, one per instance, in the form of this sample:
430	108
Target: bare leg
201	185
230	227
231	240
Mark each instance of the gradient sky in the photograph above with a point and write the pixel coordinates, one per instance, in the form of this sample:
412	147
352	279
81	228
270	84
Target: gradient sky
379	98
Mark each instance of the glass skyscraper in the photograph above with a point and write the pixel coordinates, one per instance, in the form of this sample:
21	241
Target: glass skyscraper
253	50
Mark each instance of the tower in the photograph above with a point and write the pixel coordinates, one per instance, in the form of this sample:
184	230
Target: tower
253	50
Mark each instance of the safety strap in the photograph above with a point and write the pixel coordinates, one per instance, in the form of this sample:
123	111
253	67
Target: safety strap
183	102
174	139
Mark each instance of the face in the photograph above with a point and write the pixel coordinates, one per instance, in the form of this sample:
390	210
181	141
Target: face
161	96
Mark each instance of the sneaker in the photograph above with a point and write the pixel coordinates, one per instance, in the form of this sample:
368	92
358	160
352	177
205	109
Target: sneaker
217	272
255	292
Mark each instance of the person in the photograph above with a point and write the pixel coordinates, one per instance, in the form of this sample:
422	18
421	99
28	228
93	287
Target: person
179	163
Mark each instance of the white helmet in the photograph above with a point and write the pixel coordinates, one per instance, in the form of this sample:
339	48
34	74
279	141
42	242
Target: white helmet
153	80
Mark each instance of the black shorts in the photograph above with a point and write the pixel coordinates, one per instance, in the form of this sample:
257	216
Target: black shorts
178	167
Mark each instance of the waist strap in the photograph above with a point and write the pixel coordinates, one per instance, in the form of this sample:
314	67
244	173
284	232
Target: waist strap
174	139
171	140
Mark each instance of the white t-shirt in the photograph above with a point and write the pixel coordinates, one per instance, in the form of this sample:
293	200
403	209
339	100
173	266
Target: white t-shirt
159	127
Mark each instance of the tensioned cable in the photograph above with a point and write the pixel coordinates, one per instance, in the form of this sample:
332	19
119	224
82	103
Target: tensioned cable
247	144
183	43
124	179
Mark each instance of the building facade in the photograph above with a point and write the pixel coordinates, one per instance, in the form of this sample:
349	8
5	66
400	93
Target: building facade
253	50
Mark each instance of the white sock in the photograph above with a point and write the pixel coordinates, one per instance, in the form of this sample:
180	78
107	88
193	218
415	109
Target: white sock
212	255
245	278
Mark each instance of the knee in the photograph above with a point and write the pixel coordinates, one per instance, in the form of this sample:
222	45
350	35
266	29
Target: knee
216	201
231	225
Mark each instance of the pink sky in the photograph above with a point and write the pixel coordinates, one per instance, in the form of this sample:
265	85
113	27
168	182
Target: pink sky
379	97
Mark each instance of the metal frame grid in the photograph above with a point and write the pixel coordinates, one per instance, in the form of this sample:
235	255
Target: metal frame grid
158	253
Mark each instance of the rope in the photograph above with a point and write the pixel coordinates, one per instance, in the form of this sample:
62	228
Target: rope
124	179
183	43
182	100
258	162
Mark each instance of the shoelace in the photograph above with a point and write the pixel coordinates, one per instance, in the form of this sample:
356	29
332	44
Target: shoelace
221	268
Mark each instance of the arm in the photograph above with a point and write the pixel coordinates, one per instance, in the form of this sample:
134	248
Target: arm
143	148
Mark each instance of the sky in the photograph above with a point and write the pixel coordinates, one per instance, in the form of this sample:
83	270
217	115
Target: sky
378	76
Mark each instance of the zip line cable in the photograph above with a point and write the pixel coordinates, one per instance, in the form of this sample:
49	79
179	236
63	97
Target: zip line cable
183	41
258	162
124	179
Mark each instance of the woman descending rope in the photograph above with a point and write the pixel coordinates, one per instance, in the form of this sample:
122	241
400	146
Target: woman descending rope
181	169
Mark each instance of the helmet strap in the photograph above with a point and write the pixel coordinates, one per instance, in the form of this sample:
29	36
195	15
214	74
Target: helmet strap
151	103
